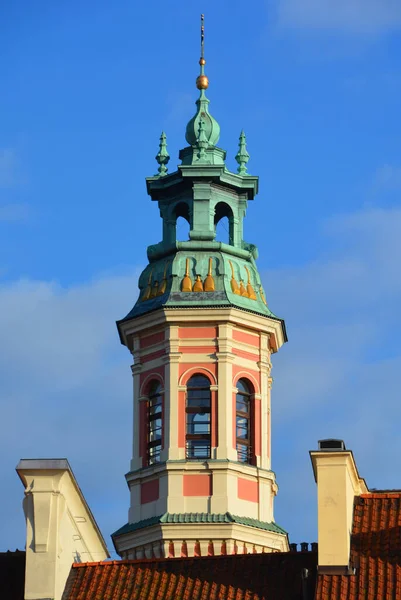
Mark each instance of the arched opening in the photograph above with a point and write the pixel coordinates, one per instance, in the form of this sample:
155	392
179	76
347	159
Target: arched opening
223	231
198	412
224	223
182	221
244	422
154	422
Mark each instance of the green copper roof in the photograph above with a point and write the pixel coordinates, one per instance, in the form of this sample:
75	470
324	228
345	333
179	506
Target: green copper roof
201	270
190	518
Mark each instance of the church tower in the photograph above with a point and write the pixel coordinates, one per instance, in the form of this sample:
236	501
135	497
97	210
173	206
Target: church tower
201	336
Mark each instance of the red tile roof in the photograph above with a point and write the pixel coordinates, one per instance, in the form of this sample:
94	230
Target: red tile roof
275	576
375	552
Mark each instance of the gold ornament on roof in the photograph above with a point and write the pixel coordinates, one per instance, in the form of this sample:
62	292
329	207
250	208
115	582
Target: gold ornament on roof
163	285
198	285
155	290
148	289
209	281
242	289
186	284
249	288
234	285
262	295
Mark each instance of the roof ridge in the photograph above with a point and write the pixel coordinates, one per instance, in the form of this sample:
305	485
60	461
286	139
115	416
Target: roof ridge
144	561
381	495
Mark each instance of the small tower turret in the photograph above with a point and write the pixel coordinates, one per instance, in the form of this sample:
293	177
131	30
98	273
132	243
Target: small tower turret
202	337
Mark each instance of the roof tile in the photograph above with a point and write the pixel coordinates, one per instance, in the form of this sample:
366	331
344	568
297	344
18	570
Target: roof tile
199	518
236	577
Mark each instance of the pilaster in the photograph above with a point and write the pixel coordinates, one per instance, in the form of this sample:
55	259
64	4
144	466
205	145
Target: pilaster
225	359
136	370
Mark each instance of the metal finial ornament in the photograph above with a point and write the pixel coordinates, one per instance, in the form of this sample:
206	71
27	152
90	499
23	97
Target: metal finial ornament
242	155
162	156
202	82
202	36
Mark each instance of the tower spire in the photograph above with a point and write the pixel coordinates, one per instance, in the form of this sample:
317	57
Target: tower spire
212	128
202	36
201	454
202	82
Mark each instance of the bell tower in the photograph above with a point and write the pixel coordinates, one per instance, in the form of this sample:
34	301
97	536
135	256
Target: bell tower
201	336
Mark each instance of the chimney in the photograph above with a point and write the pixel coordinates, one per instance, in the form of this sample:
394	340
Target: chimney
338	483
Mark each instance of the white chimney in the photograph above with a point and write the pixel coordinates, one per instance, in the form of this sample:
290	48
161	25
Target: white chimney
338	482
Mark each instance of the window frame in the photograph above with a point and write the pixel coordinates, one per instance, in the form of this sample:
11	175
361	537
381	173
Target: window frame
200	409
246	456
155	394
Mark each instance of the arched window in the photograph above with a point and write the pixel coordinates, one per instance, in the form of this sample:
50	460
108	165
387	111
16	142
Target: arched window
224	223
154	423
198	417
244	422
182	225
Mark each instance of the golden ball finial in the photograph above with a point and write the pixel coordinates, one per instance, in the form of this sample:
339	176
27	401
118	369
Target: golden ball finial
202	82
202	61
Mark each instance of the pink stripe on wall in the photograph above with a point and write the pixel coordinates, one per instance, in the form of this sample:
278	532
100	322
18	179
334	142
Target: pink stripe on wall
197	485
147	375
246	338
153	355
253	377
197	349
247	355
149	491
151	340
197	332
193	369
248	490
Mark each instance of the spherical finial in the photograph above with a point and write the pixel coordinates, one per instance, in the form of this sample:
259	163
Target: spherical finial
202	61
202	82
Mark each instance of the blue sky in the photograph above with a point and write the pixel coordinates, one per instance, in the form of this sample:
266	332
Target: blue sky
87	88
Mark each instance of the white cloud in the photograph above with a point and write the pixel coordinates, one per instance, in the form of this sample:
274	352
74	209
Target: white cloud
66	382
366	17
66	390
339	375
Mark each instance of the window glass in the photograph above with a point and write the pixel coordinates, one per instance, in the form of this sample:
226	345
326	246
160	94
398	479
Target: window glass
198	417
243	422
154	423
